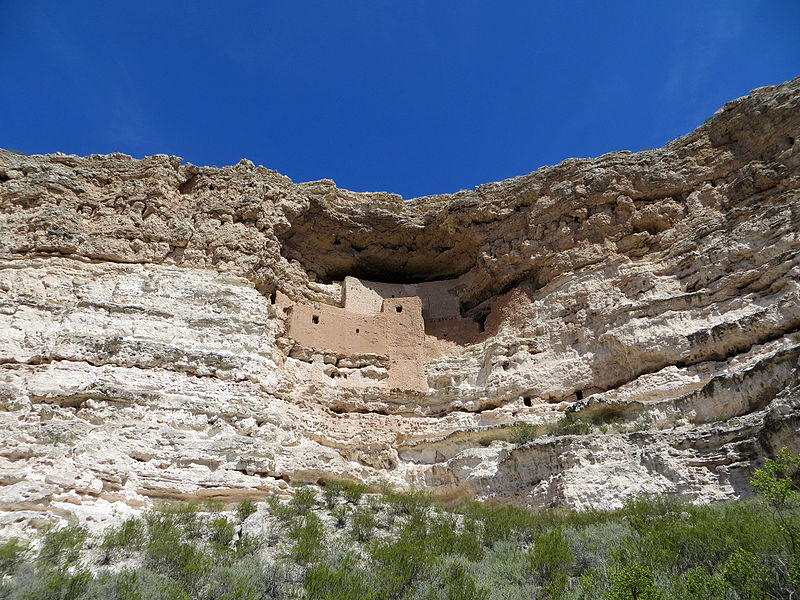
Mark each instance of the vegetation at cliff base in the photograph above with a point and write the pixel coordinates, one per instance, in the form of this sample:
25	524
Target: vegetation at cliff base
346	543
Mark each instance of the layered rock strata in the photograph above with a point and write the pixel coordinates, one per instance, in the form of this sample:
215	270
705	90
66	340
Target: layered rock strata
158	336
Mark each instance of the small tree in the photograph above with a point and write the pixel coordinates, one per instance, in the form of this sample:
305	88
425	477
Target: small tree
634	582
701	585
777	485
745	576
550	560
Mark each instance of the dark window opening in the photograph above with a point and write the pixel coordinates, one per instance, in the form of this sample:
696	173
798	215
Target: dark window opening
481	321
579	395
315	319
273	297
358	331
398	308
526	400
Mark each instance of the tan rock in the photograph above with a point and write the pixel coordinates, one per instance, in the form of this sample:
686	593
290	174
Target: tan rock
157	338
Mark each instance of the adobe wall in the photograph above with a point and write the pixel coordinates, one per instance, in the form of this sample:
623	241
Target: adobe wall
457	330
407	323
330	329
405	336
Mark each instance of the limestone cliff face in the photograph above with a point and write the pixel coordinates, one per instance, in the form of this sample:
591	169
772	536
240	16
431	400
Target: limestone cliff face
157	332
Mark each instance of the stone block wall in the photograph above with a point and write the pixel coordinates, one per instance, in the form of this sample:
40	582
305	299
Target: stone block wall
384	319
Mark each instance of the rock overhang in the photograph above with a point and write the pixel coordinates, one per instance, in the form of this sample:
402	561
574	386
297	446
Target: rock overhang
378	245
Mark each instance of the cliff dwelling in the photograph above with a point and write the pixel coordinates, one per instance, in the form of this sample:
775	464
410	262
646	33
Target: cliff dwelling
381	334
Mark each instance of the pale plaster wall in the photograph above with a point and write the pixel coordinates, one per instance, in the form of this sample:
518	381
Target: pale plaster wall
358	298
439	298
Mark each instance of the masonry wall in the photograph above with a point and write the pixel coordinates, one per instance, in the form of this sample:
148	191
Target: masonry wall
405	336
439	298
462	331
385	319
331	329
405	330
360	298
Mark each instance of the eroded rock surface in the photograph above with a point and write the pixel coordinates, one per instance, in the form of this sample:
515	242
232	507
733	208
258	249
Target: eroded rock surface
157	327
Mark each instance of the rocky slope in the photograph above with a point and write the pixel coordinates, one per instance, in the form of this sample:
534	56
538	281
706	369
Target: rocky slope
652	298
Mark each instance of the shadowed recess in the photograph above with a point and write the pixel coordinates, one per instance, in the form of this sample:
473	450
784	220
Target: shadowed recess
375	244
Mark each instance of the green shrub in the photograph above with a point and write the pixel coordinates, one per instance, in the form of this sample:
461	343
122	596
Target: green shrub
550	554
633	582
701	585
127	585
353	492
221	532
522	433
174	547
247	579
591	546
181	515
777	486
744	575
45	582
555	588
284	512
652	548
182	561
461	586
65	584
343	582
12	553
309	537
363	523
504	570
244	510
339	515
156	586
304	500
248	544
501	522
569	425
332	492
590	586
550	560
446	537
128	536
62	546
794	574
399	564
675	537
409	503
646	511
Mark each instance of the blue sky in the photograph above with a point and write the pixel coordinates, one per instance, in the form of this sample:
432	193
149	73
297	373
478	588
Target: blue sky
407	96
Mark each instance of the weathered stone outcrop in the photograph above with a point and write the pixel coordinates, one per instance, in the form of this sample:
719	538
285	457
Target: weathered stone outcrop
148	348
